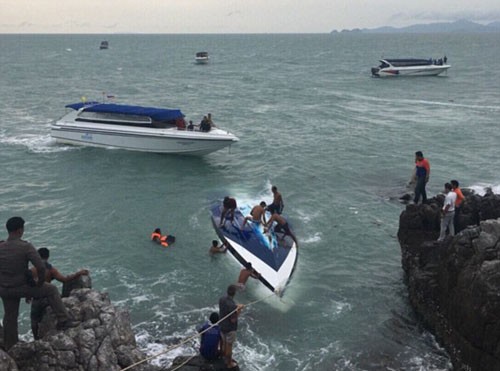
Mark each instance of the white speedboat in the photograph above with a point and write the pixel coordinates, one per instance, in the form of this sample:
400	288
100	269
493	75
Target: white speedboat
410	67
136	128
202	58
272	254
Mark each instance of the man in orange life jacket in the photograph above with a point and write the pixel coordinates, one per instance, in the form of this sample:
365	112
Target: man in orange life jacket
158	238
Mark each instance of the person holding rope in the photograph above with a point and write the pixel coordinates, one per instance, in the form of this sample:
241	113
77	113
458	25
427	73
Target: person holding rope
229	325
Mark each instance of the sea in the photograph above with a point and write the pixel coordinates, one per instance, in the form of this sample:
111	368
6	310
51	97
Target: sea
337	143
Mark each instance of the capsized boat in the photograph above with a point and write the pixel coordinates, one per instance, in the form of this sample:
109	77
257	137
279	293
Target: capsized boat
136	128
410	67
273	255
202	58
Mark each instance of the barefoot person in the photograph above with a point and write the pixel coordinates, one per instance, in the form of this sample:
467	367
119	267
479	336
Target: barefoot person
228	207
281	226
277	204
246	272
257	215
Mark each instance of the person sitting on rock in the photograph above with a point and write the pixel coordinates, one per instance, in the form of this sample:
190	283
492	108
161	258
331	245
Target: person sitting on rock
38	305
211	338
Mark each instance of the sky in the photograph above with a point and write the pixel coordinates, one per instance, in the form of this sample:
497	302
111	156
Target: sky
232	16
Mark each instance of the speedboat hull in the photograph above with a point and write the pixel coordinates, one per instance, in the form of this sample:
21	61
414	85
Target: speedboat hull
410	71
69	130
274	256
410	67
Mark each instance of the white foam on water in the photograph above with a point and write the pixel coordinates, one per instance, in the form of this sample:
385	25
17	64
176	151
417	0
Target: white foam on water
480	188
35	143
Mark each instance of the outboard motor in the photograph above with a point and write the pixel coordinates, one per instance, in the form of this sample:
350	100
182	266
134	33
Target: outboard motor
375	71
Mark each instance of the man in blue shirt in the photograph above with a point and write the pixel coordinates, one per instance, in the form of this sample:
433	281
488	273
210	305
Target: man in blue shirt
211	339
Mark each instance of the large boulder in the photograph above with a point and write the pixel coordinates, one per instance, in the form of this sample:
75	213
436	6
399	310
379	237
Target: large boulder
102	341
454	286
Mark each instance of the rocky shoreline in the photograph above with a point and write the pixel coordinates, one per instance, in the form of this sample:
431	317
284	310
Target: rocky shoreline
454	285
103	341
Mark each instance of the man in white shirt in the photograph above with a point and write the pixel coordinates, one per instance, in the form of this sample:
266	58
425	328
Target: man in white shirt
448	211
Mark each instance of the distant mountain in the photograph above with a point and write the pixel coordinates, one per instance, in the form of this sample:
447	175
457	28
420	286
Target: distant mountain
461	26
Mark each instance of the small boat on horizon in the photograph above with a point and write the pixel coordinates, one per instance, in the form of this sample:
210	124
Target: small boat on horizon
410	67
104	45
272	254
136	128
202	58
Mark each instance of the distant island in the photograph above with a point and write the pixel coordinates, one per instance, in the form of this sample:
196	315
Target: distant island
461	26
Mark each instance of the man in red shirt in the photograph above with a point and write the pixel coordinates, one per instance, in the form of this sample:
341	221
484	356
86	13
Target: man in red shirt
422	173
458	202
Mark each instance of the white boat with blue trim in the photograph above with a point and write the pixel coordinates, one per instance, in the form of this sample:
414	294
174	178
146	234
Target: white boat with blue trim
136	128
272	254
410	67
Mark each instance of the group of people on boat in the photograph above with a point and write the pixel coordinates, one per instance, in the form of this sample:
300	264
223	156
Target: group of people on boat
205	125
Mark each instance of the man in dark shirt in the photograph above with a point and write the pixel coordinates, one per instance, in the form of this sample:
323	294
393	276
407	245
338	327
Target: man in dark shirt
38	305
228	207
15	254
228	308
211	340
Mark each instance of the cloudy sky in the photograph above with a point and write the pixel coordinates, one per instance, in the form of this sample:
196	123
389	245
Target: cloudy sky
232	16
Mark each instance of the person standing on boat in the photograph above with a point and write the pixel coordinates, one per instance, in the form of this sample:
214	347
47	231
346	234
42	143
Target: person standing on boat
228	207
281	226
277	203
257	215
422	173
228	326
38	305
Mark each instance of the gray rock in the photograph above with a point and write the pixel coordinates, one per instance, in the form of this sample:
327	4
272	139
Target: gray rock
454	286
103	341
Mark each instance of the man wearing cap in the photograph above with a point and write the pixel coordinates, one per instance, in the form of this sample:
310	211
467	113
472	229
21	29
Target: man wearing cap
15	282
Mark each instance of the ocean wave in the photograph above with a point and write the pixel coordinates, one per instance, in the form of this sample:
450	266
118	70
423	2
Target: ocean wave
480	188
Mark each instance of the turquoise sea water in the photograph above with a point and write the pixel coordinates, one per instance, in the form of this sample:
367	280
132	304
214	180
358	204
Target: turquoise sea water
338	144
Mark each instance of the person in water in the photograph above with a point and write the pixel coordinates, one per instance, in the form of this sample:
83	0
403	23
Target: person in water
160	239
257	215
277	203
228	207
38	305
281	226
216	249
211	338
246	272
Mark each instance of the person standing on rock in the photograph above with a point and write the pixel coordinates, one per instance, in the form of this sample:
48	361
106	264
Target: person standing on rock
38	305
15	283
448	212
228	326
422	173
458	202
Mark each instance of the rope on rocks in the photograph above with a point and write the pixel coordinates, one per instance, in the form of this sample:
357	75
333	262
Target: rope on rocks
183	363
196	335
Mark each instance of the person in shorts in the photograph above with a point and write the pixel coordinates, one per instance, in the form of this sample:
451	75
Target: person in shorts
228	313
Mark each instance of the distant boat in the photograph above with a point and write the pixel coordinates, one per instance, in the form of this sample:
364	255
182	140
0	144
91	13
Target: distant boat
104	45
410	67
136	128
202	58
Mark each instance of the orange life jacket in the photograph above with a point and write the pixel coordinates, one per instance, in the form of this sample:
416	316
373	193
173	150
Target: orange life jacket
162	240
